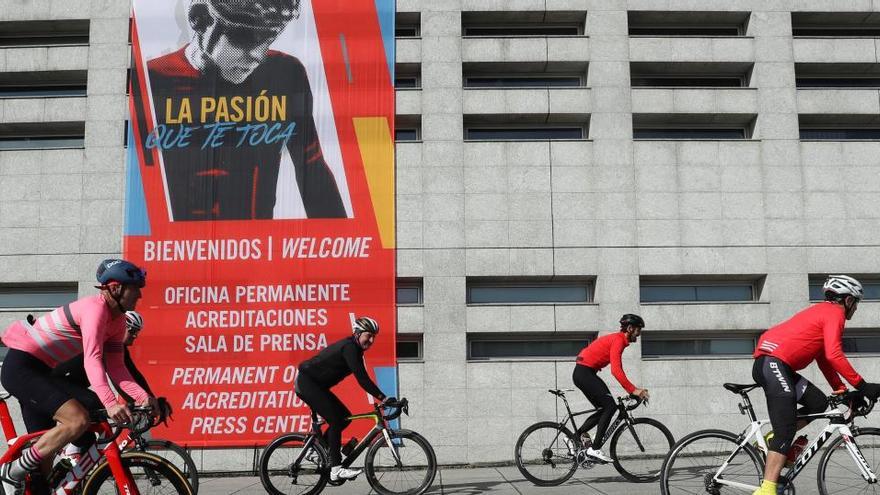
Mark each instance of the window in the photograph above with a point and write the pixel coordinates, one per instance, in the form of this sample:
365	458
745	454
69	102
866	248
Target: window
840	134
658	290
44	33
537	133
657	345
528	291
46	135
406	82
861	344
838	127
836	24
526	346
406	134
409	347
408	128
407	76
31	297
837	75
839	82
524	23
52	84
870	286
718	126
689	82
684	133
535	81
407	25
687	23
409	292
690	74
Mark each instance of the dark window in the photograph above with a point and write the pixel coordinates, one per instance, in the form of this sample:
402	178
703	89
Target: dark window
840	134
656	346
42	84
406	31
401	82
42	135
871	288
409	347
545	30
856	344
44	33
532	346
41	142
523	133
836	24
406	134
407	25
685	30
525	292
836	32
42	91
671	293
691	82
838	82
29	297
409	292
536	81
683	133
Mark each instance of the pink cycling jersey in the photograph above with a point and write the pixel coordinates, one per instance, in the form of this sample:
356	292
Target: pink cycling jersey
84	326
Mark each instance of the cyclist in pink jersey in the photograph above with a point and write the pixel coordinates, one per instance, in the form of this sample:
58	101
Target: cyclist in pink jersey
93	326
816	334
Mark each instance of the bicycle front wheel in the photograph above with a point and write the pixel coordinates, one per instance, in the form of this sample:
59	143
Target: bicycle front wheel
151	474
287	469
406	467
177	455
694	465
638	449
545	454
838	469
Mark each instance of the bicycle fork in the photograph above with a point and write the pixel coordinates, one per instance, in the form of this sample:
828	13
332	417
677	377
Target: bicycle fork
391	445
856	453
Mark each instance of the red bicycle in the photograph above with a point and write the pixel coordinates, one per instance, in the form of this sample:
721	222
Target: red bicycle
102	468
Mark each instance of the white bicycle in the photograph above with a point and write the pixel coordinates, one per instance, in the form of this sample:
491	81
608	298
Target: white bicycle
718	462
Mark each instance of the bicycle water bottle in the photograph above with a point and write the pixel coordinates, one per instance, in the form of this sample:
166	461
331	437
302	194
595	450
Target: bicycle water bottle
796	448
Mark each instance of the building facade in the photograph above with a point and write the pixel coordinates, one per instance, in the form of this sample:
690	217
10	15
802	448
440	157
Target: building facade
559	163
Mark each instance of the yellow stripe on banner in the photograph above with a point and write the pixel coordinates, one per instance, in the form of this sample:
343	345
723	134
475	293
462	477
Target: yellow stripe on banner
377	153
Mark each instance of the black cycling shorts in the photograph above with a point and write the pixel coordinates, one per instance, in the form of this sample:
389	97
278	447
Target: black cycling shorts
39	393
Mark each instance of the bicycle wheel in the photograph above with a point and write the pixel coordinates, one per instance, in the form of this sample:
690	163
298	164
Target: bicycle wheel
151	474
838	471
638	449
696	459
414	473
544	454
281	474
177	455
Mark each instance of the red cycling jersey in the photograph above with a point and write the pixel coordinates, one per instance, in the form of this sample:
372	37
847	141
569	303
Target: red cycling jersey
604	350
812	334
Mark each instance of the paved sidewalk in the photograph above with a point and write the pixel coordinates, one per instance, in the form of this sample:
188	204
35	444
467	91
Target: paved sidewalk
495	480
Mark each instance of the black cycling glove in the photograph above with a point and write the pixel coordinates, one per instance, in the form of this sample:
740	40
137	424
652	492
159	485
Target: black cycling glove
871	390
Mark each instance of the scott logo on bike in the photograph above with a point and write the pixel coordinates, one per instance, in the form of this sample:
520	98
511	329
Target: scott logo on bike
775	368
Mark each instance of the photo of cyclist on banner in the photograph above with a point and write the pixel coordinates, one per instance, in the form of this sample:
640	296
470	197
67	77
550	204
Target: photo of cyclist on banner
234	120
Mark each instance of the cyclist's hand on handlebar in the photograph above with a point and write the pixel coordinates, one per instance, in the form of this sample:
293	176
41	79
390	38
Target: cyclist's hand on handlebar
642	393
871	390
119	413
389	401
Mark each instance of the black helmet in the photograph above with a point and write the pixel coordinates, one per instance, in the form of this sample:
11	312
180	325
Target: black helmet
120	271
264	15
631	319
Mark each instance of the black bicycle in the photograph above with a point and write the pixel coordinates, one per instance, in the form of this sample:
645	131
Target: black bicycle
548	453
397	462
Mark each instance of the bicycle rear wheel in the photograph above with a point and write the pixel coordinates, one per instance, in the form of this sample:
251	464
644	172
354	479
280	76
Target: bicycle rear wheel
697	458
414	472
177	455
638	449
545	454
151	474
838	471
285	469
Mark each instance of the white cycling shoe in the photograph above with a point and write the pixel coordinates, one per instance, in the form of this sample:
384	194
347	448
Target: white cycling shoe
598	455
8	485
340	473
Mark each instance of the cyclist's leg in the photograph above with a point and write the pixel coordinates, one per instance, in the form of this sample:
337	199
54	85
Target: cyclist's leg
329	407
811	398
778	382
588	381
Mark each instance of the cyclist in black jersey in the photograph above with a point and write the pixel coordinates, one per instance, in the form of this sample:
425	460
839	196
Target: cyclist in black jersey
228	67
321	372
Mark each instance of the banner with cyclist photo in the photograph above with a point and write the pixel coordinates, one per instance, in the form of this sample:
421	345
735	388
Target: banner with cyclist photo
260	200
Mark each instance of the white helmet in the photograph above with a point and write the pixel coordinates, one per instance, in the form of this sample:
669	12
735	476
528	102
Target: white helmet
365	324
843	285
134	320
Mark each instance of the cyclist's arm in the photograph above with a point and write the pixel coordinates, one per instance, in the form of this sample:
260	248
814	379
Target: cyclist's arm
119	373
830	375
617	348
833	336
93	357
355	363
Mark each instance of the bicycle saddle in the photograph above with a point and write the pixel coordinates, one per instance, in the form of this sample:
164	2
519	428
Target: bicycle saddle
738	389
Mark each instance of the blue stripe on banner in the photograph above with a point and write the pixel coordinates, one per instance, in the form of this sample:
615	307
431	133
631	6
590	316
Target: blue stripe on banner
386	11
136	220
386	378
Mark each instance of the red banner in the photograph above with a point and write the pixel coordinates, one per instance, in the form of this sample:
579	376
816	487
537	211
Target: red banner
261	203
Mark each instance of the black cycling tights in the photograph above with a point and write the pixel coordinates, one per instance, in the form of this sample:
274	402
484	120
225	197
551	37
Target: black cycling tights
328	406
598	394
784	390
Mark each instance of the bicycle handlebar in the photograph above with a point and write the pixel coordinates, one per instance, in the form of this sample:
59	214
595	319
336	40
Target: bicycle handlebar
635	399
400	406
856	401
142	420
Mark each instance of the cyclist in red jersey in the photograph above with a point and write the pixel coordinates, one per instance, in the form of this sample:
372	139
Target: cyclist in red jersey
814	333
602	351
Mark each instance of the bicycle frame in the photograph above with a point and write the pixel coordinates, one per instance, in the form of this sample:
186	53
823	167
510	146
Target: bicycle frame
621	417
104	448
837	424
